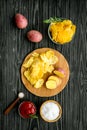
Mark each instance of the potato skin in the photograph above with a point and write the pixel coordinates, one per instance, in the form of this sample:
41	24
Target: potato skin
53	82
59	72
34	36
21	21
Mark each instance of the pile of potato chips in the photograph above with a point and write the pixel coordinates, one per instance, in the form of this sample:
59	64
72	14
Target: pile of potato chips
38	65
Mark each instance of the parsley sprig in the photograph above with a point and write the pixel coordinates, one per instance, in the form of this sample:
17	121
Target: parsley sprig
52	20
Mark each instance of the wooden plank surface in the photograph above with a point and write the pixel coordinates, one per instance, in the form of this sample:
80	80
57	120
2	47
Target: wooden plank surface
14	46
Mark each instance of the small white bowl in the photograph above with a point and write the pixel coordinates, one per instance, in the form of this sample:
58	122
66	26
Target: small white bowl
59	107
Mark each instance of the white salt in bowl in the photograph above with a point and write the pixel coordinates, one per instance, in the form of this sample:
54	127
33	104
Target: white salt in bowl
50	111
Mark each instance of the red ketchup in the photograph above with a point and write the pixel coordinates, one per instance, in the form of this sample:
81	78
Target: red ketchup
27	109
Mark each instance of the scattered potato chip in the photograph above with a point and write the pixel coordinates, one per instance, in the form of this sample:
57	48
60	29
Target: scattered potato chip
44	58
37	70
31	80
53	60
49	57
35	54
39	83
50	68
28	63
49	54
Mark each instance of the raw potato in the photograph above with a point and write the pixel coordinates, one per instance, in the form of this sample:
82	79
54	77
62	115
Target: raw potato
34	36
51	84
60	73
55	78
21	21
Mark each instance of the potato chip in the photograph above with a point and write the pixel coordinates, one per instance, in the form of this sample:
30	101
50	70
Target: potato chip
53	60
49	57
27	75
50	68
39	83
44	58
35	54
29	62
49	54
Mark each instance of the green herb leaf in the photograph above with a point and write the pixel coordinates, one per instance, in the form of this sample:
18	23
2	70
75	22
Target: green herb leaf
51	20
33	116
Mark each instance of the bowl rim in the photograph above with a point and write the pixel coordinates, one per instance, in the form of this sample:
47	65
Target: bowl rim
60	111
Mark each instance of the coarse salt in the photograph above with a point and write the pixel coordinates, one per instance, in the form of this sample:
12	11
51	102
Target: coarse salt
50	111
21	95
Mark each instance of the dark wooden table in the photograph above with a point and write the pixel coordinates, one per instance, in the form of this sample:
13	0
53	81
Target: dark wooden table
14	46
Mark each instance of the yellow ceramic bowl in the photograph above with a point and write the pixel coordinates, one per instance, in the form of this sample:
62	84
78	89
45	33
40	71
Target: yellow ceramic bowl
45	109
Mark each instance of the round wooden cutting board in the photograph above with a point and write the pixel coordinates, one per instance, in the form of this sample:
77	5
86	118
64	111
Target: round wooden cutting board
43	91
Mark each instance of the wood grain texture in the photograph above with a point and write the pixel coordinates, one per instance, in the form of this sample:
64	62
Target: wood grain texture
14	46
